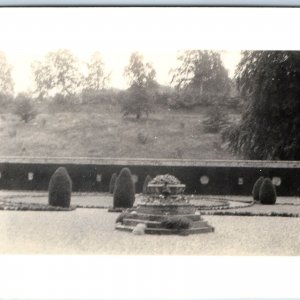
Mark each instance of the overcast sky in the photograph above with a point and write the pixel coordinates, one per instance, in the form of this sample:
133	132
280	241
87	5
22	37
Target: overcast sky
27	34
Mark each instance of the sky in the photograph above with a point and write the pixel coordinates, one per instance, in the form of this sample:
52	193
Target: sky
27	34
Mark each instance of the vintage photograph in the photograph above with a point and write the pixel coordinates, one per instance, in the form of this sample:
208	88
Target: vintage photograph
130	131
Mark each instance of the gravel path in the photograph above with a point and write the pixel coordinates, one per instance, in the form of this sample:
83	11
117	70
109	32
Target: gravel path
91	231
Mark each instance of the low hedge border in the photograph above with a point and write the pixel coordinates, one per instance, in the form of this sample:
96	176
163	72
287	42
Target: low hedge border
21	206
249	214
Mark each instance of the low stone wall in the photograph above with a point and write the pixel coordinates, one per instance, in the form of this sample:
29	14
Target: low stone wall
200	177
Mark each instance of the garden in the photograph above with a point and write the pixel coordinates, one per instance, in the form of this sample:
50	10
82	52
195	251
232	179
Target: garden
162	220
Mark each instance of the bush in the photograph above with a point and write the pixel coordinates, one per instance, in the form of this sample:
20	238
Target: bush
24	108
146	181
124	192
256	188
267	192
216	119
60	188
112	183
176	222
142	138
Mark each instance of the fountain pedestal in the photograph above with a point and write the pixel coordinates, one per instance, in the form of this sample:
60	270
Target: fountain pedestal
158	207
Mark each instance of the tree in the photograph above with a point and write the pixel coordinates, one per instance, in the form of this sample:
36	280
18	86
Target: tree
58	73
200	78
141	77
6	81
96	78
270	124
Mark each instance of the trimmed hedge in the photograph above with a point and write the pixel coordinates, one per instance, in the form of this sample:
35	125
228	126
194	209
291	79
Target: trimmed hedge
60	188
267	192
124	192
112	183
256	188
145	188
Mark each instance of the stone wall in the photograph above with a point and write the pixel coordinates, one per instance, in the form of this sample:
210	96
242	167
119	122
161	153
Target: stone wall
201	177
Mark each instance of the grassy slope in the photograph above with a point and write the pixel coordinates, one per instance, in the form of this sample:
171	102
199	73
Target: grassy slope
102	132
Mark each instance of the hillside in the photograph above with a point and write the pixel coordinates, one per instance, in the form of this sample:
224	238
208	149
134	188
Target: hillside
99	131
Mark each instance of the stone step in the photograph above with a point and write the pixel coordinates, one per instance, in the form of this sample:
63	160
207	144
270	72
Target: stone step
134	222
183	209
151	217
182	232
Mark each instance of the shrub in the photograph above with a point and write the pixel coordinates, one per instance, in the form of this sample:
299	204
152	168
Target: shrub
176	222
256	188
124	192
142	138
60	188
216	119
112	183
267	192
146	181
24	108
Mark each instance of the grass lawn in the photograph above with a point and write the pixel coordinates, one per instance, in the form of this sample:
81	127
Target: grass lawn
100	131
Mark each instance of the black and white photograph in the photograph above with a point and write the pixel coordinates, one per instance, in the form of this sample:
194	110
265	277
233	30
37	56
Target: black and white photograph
148	131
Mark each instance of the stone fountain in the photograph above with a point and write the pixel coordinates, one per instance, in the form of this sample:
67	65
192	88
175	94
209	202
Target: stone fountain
164	204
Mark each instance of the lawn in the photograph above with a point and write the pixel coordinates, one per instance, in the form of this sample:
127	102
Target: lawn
100	131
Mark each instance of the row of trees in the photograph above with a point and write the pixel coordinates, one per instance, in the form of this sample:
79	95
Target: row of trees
200	76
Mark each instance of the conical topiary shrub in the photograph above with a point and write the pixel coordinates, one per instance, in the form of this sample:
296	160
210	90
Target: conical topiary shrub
256	188
112	183
60	188
147	180
124	192
267	192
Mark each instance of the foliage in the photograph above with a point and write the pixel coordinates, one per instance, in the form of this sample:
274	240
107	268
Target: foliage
58	73
112	183
139	97
24	108
96	78
6	81
137	101
256	188
142	138
167	178
216	119
201	78
176	222
124	192
60	188
146	181
140	73
267	192
270	124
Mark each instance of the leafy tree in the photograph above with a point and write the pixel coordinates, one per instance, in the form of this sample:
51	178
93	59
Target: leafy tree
200	78
96	78
24	107
6	81
141	77
270	124
58	73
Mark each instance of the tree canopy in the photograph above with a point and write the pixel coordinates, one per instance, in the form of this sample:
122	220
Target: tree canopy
270	124
201	76
58	73
96	78
6	81
140	95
